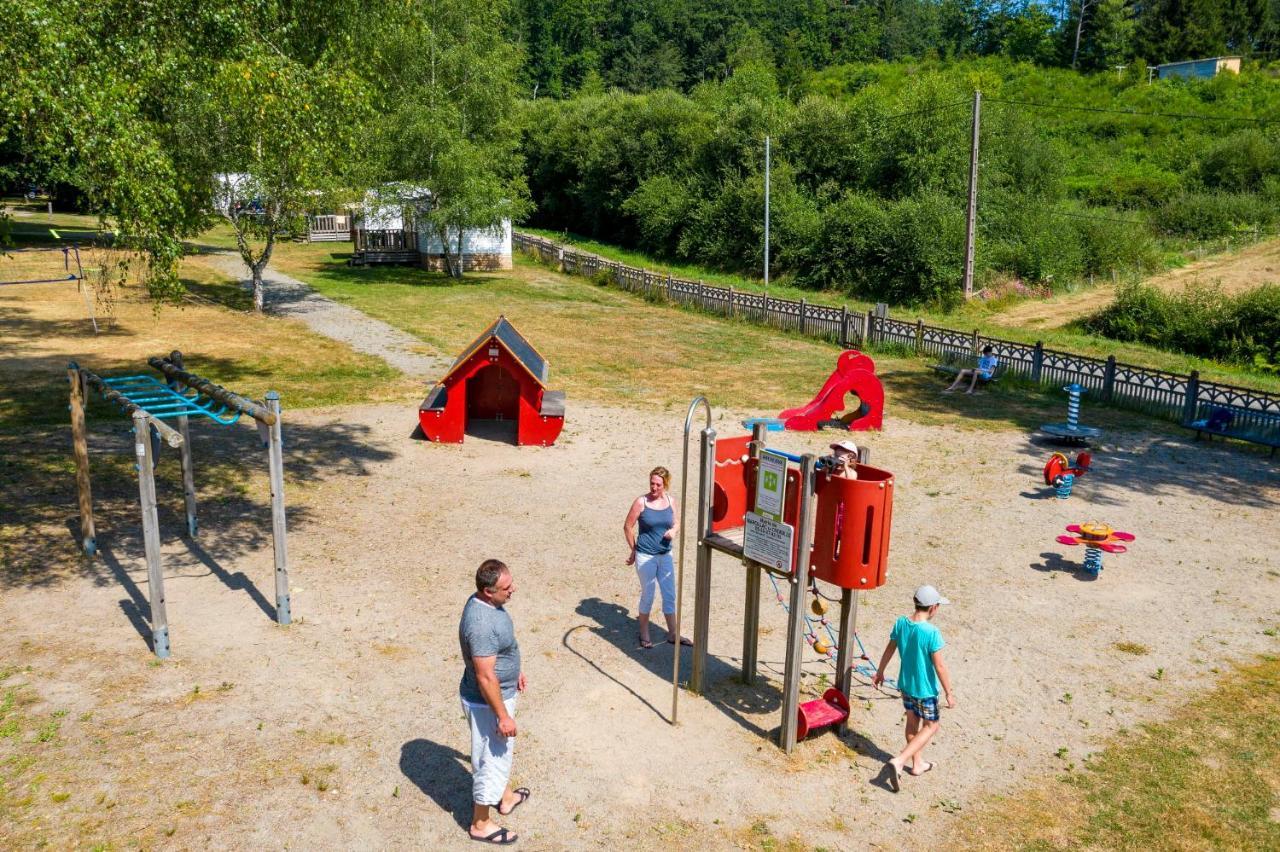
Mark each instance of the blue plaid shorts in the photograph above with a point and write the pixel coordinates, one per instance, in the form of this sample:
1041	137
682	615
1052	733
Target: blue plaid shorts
925	708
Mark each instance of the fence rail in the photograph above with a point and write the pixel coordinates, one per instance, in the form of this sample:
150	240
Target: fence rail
1169	395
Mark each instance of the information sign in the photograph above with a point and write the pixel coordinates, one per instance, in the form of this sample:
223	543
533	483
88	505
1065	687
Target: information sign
771	485
768	542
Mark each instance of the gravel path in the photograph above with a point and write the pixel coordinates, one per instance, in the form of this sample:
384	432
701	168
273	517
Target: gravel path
289	297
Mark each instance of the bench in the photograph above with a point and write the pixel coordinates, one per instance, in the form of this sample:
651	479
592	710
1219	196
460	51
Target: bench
952	363
1236	421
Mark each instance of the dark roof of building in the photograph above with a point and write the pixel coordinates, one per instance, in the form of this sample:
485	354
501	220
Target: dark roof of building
513	341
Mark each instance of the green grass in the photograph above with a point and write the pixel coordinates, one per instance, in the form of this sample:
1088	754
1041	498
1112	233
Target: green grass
1205	779
976	315
613	347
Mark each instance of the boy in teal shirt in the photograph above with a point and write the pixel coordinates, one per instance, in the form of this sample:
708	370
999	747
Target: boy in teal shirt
920	644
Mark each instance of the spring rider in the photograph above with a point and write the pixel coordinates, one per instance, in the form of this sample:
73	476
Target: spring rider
1060	474
1072	432
1096	539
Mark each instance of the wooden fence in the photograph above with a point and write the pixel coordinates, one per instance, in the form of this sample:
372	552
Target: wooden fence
1168	395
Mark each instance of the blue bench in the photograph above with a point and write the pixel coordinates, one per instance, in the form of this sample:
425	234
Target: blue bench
1236	421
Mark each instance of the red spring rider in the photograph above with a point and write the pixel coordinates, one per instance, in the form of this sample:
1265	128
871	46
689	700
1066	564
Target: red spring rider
1060	474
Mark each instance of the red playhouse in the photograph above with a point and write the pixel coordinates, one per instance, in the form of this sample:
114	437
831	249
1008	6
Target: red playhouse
500	376
855	373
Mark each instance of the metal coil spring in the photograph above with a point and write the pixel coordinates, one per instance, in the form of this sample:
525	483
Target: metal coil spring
1092	560
1062	486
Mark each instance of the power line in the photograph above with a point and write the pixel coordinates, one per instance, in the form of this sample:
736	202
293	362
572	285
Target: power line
1099	218
1194	116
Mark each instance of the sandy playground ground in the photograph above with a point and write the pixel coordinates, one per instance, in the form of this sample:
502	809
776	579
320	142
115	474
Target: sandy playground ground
343	731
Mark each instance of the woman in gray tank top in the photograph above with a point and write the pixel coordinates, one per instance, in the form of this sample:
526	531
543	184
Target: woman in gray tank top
650	528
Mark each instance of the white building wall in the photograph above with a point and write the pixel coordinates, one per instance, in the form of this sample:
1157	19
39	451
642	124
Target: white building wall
475	241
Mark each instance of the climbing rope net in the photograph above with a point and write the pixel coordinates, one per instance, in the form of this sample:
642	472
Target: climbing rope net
812	624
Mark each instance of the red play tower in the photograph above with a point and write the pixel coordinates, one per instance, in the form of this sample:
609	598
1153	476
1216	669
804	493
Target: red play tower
500	376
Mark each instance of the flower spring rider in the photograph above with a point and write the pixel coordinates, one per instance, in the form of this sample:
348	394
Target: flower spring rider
1096	538
1060	474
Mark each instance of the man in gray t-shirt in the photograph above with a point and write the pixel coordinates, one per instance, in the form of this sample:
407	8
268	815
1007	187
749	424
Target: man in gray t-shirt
491	679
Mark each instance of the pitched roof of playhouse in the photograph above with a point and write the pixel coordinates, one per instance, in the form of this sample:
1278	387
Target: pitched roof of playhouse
513	341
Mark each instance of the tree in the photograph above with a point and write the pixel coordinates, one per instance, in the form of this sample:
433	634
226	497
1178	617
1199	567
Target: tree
446	83
269	137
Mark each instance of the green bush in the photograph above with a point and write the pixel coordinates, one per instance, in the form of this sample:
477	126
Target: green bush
1210	215
1201	321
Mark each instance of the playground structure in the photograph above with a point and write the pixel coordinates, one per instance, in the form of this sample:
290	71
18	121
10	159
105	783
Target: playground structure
1097	539
150	402
788	517
1060	474
854	373
72	250
500	376
1072	432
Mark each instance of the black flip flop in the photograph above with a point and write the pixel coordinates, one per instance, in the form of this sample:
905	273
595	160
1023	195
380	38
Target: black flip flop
683	641
501	837
524	793
645	643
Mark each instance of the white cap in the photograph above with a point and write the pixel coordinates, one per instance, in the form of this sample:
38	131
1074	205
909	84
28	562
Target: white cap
847	446
928	596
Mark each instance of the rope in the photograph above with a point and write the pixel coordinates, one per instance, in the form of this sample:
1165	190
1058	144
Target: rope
863	668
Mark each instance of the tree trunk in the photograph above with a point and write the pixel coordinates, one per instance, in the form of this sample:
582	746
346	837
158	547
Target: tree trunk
257	288
1075	53
461	233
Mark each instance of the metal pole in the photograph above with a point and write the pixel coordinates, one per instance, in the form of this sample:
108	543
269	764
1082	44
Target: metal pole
848	628
795	619
151	534
702	578
766	218
275	456
751	621
188	468
80	446
971	217
684	510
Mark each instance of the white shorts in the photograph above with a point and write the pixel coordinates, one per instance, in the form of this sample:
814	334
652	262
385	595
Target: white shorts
491	753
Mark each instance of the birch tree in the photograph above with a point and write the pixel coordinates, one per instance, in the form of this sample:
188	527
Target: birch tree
447	116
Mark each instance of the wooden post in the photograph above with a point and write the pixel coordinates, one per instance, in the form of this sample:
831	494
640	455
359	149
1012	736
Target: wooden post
848	628
702	571
188	469
275	458
864	337
974	346
80	446
795	618
751	621
844	326
919	336
803	324
732	310
1193	397
1037	362
151	533
1109	379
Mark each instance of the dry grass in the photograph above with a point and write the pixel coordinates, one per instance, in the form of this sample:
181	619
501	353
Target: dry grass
1206	779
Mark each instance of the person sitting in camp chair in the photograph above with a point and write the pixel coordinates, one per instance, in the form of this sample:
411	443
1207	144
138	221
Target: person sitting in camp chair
985	370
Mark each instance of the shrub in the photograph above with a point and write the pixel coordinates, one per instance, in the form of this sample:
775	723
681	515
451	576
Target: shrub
1201	320
1209	215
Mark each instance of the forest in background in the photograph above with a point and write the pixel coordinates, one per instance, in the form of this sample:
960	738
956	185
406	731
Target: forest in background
641	45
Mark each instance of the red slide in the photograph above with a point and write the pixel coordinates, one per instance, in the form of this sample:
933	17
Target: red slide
854	373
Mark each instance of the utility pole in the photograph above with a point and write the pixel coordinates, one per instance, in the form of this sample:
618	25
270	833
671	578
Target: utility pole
766	220
971	218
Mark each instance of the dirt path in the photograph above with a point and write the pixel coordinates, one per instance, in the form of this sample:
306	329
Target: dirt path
344	731
287	296
1235	272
